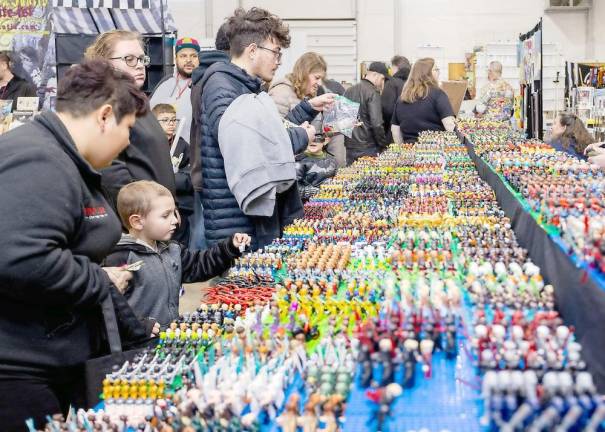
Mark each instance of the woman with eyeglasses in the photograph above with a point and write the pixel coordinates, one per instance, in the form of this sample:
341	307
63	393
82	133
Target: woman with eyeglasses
146	157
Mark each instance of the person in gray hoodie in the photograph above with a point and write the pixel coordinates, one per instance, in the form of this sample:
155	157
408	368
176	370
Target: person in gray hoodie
147	209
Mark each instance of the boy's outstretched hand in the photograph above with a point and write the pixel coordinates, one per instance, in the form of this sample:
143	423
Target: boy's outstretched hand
241	240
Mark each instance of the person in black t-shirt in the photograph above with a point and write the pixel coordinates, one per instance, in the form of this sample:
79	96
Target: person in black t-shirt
422	105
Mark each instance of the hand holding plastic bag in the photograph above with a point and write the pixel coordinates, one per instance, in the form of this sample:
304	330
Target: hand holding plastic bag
341	117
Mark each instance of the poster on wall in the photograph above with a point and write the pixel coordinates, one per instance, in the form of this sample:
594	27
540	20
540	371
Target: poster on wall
25	31
531	58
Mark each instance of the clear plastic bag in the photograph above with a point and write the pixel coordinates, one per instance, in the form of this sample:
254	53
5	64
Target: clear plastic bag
341	117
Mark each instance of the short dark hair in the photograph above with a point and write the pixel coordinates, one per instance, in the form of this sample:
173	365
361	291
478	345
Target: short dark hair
221	42
93	83
401	62
255	26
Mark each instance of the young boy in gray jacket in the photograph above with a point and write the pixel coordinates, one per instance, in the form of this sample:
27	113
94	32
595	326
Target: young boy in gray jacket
147	209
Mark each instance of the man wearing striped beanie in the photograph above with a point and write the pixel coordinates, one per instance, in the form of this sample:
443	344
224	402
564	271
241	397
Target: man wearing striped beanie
176	89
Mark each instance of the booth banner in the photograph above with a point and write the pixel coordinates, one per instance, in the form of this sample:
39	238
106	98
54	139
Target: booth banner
25	31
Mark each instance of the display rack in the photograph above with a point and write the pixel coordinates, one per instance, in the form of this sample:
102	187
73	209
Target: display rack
585	97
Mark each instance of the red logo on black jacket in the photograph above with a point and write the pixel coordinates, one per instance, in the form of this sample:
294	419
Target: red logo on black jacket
95	212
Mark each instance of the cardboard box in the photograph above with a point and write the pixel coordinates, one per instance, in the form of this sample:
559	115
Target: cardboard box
455	91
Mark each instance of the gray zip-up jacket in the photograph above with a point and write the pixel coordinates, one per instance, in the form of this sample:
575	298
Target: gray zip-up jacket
154	290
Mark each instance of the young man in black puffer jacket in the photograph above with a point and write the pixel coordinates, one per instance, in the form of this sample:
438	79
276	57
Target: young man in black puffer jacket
256	38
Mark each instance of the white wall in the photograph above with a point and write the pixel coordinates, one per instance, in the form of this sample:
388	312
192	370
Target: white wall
375	30
597	34
189	16
460	25
307	9
385	26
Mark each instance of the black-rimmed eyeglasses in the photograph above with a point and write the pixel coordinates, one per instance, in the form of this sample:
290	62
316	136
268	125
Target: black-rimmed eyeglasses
133	61
276	53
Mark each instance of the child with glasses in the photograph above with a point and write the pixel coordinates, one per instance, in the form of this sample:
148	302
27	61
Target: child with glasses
179	154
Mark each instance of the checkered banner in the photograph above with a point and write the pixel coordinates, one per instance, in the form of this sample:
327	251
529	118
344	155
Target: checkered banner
112	4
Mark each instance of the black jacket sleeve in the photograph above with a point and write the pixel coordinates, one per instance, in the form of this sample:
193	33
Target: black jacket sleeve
388	99
133	330
299	139
39	211
201	265
303	112
376	123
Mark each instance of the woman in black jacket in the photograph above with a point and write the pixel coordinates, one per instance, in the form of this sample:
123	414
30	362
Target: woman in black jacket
56	227
146	157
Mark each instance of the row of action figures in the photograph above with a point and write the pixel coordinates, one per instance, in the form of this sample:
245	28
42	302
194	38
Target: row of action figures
358	304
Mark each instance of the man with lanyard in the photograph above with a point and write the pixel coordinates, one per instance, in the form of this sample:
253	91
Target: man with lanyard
176	89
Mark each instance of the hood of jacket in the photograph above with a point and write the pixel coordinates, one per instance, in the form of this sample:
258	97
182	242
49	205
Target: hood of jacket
51	121
207	59
234	72
128	242
282	81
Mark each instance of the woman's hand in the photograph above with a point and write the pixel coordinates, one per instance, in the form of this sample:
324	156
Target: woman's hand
598	159
320	103
119	277
594	149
